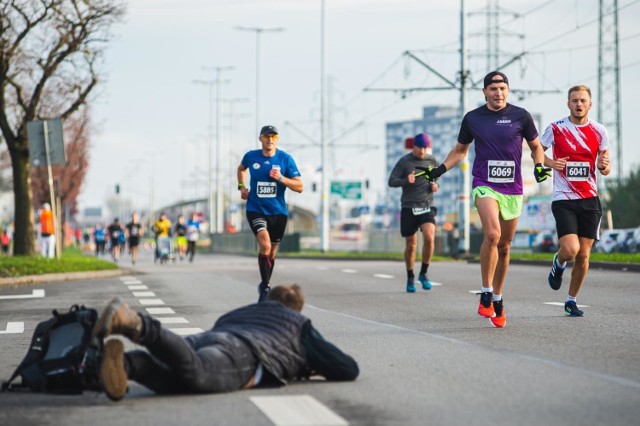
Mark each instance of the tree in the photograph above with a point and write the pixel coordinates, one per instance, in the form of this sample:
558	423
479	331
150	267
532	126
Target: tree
70	175
623	200
50	53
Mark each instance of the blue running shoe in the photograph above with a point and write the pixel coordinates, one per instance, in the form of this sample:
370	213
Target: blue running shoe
411	286
555	274
571	309
426	284
263	292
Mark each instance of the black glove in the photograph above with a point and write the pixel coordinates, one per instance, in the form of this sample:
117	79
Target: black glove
431	173
541	172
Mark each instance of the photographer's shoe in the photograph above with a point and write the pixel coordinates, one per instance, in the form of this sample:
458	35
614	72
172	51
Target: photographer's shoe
118	318
113	375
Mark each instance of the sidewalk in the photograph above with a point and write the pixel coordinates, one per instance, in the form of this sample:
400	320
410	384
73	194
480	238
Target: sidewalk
66	276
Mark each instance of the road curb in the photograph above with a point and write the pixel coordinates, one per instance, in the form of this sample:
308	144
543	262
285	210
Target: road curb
65	276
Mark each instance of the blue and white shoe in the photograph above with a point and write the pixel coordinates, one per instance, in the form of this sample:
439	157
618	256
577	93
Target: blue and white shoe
555	274
571	309
411	286
263	292
426	284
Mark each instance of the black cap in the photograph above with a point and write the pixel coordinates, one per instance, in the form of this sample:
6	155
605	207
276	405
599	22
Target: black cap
489	78
266	130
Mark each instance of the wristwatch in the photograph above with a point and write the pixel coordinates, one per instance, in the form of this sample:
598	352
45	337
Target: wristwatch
240	186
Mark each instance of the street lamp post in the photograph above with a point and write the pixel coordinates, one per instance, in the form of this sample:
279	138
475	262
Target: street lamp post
210	84
258	31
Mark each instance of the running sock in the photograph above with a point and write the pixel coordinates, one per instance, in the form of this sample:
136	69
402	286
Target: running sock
487	289
561	265
410	275
497	297
264	264
423	268
571	299
273	264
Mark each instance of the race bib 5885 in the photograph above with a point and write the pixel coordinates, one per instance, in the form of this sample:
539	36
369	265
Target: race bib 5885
266	189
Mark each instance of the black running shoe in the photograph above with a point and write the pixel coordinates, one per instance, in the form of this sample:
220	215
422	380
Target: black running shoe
555	274
485	307
263	292
571	309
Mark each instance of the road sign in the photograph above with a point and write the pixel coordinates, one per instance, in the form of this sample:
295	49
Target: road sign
37	149
351	190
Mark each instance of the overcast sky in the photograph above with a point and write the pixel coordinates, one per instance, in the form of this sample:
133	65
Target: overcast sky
154	120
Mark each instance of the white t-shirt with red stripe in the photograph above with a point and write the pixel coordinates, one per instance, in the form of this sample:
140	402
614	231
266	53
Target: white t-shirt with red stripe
580	143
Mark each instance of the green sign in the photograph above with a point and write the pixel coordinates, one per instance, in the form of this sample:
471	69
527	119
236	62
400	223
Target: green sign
347	190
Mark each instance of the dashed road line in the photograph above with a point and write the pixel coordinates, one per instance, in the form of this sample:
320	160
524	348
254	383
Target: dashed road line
350	271
13	328
148	302
172	320
298	410
386	276
562	304
144	294
138	287
37	293
160	311
186	331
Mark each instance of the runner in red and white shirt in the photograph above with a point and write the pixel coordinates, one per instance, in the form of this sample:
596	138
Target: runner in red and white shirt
580	145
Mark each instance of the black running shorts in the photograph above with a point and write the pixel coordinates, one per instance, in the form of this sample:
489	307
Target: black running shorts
580	217
411	220
273	224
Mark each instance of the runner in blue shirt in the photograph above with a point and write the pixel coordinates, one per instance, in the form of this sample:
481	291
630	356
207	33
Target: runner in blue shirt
498	129
272	172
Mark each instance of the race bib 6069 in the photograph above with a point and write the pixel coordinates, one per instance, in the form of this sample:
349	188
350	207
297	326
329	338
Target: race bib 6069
578	170
266	189
501	171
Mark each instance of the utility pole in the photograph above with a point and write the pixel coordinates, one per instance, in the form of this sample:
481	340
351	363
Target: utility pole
324	236
258	31
609	80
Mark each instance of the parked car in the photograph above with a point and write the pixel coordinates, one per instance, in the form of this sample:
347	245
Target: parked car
545	242
629	242
608	240
351	231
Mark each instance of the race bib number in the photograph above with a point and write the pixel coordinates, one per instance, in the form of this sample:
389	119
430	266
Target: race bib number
417	211
578	170
266	189
501	171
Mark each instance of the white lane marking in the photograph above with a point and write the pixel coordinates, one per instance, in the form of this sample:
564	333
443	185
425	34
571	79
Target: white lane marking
383	276
186	331
132	282
172	320
148	302
127	277
34	294
435	284
562	304
476	292
160	311
350	271
297	410
144	294
138	287
13	328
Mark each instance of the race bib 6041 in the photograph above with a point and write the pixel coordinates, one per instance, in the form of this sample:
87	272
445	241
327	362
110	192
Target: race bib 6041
578	170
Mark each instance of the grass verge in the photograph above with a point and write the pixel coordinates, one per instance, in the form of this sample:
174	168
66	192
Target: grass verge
72	260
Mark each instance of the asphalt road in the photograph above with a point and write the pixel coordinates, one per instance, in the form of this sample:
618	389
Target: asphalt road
425	358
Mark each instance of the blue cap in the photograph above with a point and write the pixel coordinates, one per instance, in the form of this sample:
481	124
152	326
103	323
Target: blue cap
422	140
